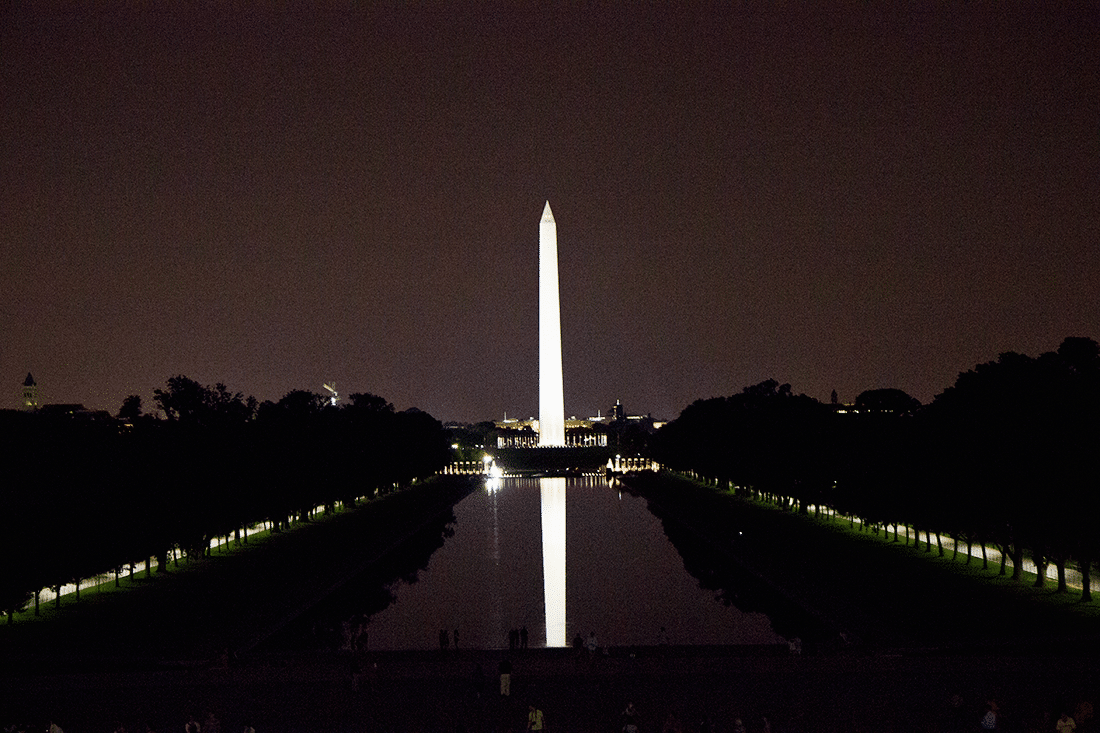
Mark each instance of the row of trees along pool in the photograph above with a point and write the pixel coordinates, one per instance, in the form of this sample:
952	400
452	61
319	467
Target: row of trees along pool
85	497
1006	457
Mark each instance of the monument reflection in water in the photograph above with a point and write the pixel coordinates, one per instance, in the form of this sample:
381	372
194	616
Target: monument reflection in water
563	557
552	491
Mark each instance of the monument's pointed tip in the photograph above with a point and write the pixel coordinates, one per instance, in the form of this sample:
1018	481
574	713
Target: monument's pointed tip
547	215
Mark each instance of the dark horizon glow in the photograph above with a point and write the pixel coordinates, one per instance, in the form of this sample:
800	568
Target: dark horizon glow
838	199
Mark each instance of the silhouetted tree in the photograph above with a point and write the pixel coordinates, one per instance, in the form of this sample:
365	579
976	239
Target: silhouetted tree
131	408
1005	455
1021	432
190	403
893	401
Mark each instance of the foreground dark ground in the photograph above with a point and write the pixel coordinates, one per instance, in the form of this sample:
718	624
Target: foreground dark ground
705	689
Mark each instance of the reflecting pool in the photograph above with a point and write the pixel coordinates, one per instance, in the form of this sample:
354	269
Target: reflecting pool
561	557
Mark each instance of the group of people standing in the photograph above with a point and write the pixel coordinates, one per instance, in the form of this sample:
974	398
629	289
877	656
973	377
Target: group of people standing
589	645
445	639
517	638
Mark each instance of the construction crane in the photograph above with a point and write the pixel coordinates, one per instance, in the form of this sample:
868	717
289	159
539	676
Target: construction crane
335	397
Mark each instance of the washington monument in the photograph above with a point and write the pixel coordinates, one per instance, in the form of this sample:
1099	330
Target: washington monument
551	394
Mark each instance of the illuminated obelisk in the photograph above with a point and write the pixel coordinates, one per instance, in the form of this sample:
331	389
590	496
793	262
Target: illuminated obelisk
551	394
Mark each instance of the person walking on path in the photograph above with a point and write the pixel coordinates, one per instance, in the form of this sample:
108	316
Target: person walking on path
590	644
535	719
505	669
523	637
989	720
479	680
629	719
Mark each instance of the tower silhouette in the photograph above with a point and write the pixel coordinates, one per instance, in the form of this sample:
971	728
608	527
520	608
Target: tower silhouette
30	393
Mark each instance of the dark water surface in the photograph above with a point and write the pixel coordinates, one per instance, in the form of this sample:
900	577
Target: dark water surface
575	551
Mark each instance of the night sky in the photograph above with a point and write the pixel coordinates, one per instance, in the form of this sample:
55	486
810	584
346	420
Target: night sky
839	198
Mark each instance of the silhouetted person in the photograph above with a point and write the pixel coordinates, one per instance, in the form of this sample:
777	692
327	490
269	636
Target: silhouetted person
355	671
505	669
989	720
523	637
629	719
535	719
479	680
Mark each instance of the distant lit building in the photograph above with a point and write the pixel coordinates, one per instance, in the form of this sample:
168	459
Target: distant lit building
74	411
30	393
579	432
513	433
617	413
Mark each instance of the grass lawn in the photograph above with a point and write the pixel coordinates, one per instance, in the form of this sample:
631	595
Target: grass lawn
98	593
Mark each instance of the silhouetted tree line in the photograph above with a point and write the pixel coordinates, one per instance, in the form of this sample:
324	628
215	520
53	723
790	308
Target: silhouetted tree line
1005	457
85	497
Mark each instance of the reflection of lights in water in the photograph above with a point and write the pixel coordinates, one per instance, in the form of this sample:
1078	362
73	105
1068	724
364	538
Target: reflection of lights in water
553	558
494	475
494	478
